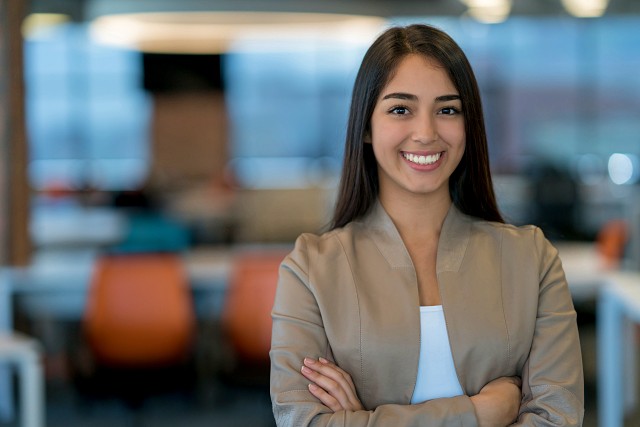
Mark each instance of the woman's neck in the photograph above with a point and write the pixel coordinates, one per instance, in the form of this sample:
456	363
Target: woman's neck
417	216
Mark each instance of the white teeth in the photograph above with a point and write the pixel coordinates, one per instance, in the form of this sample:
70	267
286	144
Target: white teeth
422	160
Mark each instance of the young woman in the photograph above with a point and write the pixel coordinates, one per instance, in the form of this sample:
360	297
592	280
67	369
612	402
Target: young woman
420	307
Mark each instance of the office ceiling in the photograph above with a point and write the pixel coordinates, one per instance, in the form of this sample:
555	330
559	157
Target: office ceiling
81	10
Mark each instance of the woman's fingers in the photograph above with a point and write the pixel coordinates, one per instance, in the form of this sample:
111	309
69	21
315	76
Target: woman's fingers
329	370
334	381
338	375
328	384
324	397
343	372
351	392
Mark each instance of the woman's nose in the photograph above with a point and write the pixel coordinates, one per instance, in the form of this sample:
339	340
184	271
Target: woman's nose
425	130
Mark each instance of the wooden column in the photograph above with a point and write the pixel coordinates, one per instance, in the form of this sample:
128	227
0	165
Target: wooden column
14	187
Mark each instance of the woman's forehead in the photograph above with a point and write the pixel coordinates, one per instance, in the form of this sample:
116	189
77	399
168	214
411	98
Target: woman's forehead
419	72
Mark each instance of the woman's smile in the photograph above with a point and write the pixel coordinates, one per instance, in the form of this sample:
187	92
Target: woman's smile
423	160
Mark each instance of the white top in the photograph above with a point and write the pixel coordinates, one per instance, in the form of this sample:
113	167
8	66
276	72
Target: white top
436	372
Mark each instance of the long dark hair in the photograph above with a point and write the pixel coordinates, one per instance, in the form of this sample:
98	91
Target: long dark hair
470	184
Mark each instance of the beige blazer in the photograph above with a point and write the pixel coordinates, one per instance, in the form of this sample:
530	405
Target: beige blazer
351	295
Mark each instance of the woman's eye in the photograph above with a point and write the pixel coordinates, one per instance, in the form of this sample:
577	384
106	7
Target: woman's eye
449	111
400	111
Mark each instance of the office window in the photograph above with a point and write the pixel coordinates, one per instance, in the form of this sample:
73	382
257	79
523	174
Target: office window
288	111
87	115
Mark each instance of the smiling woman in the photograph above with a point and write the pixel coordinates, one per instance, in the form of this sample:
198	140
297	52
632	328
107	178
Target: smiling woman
421	306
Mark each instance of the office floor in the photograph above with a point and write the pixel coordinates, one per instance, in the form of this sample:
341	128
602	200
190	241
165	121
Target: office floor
229	408
221	407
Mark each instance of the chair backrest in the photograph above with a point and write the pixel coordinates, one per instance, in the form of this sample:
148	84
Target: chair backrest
139	311
611	241
247	310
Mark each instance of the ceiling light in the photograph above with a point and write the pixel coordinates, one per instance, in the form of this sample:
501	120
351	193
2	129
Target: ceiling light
35	23
586	8
488	11
623	168
218	32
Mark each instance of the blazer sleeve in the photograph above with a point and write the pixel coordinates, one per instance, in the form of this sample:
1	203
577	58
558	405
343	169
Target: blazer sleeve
552	378
298	332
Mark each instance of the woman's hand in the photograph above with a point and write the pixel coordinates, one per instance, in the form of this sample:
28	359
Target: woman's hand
498	403
331	385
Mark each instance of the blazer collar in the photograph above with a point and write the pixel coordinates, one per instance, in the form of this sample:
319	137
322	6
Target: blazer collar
452	246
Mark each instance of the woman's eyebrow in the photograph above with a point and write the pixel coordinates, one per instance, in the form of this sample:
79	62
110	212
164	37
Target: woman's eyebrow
445	98
411	97
401	95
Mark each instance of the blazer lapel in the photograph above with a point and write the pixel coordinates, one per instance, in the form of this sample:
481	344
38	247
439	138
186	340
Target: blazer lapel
454	239
389	313
387	238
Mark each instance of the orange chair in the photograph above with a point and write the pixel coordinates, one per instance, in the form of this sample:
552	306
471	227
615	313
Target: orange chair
138	329
611	242
246	317
139	311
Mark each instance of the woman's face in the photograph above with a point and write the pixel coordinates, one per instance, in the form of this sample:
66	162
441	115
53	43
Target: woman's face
417	130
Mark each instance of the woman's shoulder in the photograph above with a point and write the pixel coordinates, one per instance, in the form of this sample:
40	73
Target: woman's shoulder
522	237
325	245
503	227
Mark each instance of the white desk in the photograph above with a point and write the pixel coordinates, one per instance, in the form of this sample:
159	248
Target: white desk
618	308
56	284
585	269
69	225
618	297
